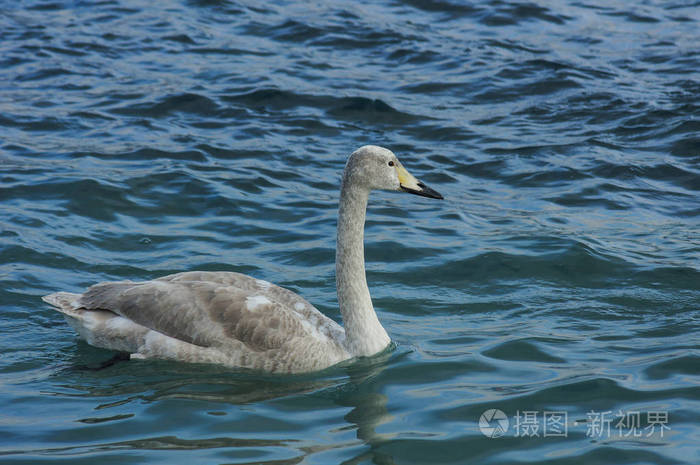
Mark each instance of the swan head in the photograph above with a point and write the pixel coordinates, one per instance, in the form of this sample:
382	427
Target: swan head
374	167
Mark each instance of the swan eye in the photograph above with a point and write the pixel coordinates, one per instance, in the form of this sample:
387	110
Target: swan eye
391	163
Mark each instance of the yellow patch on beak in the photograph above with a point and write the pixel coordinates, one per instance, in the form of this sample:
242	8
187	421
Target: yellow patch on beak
406	179
409	184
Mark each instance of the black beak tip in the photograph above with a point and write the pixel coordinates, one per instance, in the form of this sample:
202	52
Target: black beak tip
424	191
428	192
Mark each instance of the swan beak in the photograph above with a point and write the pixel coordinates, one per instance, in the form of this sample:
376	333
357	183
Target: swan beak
413	186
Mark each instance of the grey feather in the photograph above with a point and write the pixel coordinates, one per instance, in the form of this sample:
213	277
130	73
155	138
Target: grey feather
235	320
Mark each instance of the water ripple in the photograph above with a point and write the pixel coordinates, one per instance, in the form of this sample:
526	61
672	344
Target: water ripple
560	273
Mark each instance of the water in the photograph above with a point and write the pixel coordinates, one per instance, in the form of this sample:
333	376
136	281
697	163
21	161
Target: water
561	274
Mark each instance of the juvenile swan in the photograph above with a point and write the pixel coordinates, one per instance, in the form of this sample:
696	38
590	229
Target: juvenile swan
235	320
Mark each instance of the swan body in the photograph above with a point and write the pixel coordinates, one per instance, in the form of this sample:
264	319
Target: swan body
236	320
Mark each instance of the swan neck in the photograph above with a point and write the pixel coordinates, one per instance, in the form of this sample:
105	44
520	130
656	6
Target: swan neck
364	334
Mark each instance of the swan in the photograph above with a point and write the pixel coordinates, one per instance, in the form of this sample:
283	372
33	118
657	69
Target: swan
238	321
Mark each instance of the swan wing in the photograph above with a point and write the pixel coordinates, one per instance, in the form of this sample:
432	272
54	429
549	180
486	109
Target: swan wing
215	309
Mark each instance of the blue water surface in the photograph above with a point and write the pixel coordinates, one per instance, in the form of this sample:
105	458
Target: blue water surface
558	283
